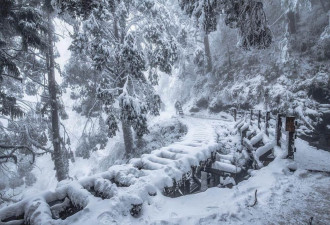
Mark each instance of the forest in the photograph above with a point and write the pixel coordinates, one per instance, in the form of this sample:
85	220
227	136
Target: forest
164	112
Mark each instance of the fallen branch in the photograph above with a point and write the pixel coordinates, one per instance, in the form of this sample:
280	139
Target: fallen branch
255	199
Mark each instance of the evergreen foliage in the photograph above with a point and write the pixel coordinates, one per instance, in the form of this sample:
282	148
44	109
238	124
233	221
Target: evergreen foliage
246	15
120	56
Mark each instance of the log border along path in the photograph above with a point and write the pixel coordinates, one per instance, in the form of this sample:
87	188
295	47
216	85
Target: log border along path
123	189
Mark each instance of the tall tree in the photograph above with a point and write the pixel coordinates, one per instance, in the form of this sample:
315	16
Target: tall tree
26	37
246	15
205	13
60	155
122	43
23	136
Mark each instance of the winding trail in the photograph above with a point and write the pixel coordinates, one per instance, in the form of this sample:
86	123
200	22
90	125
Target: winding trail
159	168
108	197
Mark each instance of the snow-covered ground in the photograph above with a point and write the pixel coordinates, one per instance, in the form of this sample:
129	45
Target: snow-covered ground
283	196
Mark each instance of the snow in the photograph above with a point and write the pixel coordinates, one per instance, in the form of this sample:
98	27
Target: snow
264	149
133	187
310	158
289	191
282	198
229	168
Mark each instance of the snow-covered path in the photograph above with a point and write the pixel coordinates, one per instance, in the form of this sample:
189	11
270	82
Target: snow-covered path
124	186
158	170
284	197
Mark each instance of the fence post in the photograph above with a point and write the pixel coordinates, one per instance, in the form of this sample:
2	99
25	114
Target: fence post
278	130
290	127
259	119
235	114
267	122
187	187
251	116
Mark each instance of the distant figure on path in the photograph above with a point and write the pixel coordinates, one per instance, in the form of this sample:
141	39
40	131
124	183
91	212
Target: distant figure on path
178	108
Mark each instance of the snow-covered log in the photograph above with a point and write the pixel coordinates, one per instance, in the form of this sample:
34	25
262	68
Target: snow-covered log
229	158
225	167
38	212
58	208
257	138
244	127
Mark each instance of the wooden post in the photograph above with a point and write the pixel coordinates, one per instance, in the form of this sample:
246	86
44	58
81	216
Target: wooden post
259	119
216	180
204	181
251	116
199	171
243	135
278	130
235	114
267	123
290	127
187	187
208	179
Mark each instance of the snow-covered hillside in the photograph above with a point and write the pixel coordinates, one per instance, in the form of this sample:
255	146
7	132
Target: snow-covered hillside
167	112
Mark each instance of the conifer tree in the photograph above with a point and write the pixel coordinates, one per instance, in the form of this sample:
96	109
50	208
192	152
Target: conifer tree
245	15
122	44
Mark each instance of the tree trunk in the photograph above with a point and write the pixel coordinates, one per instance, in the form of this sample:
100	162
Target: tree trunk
126	125
323	6
60	159
292	22
229	57
208	53
128	137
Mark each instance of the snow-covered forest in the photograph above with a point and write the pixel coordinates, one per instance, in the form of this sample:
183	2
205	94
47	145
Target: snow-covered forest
164	112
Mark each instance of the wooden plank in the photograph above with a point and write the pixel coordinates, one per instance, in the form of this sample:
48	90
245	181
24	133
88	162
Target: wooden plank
213	171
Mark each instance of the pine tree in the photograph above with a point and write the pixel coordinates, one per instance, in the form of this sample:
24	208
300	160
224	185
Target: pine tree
60	155
246	15
122	58
26	23
28	61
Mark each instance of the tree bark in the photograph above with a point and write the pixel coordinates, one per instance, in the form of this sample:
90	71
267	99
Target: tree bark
126	125
128	137
208	53
60	159
323	6
229	56
292	22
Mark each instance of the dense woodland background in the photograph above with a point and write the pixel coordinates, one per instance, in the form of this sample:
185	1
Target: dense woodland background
131	60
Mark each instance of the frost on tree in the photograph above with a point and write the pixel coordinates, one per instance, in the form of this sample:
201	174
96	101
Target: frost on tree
123	41
247	16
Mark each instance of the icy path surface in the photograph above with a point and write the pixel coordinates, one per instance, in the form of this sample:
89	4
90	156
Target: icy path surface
310	158
157	171
283	198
